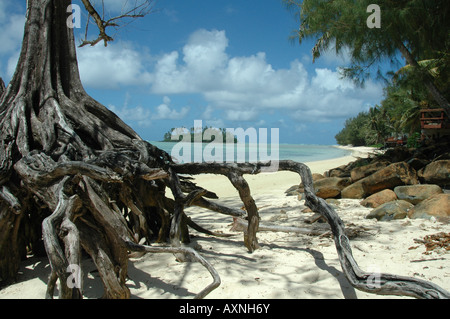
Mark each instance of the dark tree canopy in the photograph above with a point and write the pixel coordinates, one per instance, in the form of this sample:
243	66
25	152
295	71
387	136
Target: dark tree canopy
416	29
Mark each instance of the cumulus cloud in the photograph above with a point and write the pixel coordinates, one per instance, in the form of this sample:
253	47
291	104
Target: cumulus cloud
239	88
113	66
137	114
245	85
144	115
12	27
164	112
12	22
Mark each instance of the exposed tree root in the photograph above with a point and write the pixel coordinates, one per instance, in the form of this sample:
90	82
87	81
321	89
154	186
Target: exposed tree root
380	283
184	250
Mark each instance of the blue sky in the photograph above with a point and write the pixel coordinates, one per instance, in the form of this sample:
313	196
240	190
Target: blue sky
228	63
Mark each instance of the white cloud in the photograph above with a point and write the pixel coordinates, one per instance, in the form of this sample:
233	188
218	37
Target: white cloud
205	52
164	112
144	116
12	23
138	114
112	66
239	87
12	27
331	81
241	115
246	85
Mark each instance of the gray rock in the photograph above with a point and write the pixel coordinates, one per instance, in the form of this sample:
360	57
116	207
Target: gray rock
397	209
387	178
437	172
417	193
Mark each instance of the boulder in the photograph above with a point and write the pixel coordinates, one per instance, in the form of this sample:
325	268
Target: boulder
387	178
296	190
437	205
355	190
340	171
330	187
417	193
317	176
293	191
363	171
379	198
437	172
397	209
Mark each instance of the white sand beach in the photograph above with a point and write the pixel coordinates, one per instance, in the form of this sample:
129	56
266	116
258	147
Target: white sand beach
287	265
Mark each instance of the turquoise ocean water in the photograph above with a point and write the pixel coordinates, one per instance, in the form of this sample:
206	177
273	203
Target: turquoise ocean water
296	152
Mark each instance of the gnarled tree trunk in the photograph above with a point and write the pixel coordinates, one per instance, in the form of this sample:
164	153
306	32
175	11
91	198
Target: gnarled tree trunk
69	164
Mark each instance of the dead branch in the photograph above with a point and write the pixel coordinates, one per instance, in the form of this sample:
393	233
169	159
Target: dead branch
183	250
385	284
139	11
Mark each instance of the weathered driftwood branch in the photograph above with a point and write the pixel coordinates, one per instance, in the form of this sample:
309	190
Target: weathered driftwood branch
379	283
2	88
183	250
234	172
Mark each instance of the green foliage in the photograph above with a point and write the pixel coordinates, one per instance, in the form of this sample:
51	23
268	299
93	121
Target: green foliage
356	131
421	26
418	29
414	140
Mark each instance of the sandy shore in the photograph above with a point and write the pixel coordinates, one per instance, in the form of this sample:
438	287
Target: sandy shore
286	266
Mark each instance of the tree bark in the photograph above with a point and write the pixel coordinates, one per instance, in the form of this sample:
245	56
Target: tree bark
66	163
378	283
2	88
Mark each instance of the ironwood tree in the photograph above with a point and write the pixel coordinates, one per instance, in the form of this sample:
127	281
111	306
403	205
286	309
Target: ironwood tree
75	179
416	29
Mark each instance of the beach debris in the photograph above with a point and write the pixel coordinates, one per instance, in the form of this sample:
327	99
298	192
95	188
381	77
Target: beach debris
436	242
315	218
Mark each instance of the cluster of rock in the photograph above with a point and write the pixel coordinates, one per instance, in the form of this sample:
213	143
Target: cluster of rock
401	182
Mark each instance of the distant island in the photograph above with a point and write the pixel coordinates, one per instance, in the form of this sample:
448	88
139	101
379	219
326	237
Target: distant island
207	135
